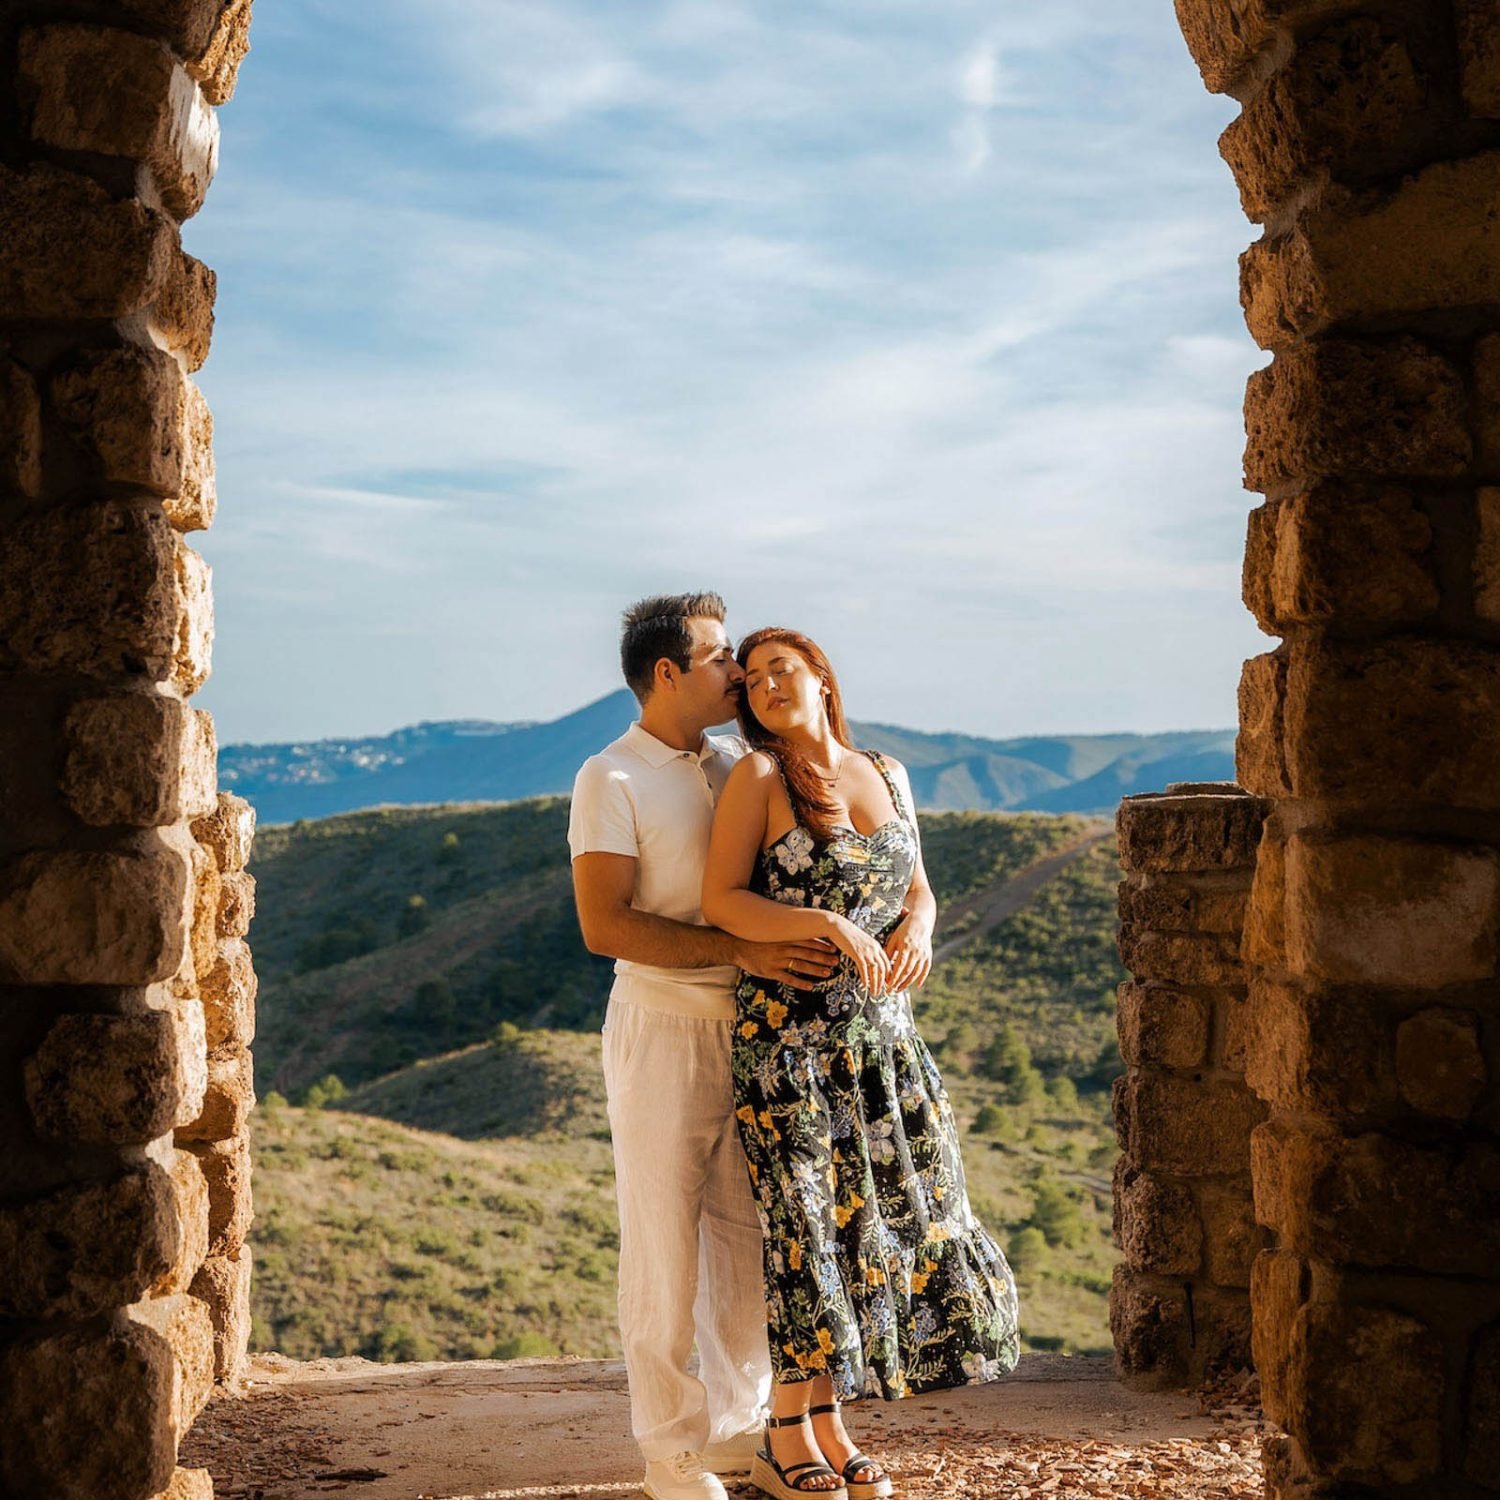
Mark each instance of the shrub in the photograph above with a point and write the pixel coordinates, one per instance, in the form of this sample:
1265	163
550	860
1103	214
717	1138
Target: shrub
1054	1211
327	1090
524	1346
1029	1254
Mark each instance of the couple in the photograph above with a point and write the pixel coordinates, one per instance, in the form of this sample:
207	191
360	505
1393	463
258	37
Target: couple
786	1159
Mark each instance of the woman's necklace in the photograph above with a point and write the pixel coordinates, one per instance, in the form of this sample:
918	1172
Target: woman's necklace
832	781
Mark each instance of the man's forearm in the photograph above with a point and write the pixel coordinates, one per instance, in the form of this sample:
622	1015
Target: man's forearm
641	937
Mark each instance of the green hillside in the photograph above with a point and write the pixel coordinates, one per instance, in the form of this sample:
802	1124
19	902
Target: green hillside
388	936
449	1195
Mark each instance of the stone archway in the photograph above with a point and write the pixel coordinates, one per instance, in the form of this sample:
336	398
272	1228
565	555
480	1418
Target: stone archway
126	991
1366	1017
1369	148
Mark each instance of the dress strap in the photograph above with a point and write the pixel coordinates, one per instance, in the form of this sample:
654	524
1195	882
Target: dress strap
897	800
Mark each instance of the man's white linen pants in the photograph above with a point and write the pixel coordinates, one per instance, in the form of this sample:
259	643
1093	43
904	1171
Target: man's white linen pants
690	1241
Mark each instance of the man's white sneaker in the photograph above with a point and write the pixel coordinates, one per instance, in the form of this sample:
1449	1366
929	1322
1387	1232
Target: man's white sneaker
682	1477
734	1455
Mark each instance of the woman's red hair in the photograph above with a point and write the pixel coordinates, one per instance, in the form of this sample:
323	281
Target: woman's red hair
811	804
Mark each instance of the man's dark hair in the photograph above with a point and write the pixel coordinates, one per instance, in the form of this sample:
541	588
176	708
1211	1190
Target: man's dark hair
658	627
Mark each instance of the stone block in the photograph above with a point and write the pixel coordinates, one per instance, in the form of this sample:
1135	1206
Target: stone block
1191	905
1391	911
226	1169
1264	942
116	1080
1372	1200
1259	755
145	425
187	26
1482	1416
138	759
104	917
1232	1029
193	659
228	993
1187	958
188	1484
228	832
1327	1051
1224	36
217	66
223	1284
1440	1068
236	904
119	253
183	1323
206	895
190	1192
1387	408
228	1101
193	506
1348	99
1185	1127
1158	832
1155	1223
114	93
91	590
87	1250
1151	1328
1231	1237
1278	1290
1479	56
89	1415
1341	555
20	432
181	317
1365	1393
1161	1025
1486	565
1401	720
1428	245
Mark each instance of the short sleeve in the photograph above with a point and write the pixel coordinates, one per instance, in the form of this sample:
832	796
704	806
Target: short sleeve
602	817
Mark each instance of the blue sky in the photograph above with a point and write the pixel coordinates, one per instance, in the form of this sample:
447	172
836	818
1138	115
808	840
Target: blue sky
911	325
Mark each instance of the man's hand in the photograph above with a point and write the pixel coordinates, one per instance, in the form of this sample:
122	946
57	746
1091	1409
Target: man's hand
800	965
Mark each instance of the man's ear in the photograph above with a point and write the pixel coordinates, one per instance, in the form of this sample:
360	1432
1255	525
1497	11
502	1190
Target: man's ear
664	674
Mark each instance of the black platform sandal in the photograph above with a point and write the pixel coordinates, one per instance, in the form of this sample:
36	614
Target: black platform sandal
769	1477
859	1489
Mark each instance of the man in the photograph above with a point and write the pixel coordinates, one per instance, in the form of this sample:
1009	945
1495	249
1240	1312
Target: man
690	1242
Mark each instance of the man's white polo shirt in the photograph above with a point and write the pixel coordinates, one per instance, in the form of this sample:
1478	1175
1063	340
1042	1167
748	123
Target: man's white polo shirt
642	798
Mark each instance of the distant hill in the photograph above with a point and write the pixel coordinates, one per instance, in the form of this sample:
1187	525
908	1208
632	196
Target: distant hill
477	760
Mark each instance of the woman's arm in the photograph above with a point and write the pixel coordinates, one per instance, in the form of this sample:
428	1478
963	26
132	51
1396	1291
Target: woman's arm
910	943
728	902
739	828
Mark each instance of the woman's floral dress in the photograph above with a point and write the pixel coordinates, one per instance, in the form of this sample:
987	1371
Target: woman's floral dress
877	1272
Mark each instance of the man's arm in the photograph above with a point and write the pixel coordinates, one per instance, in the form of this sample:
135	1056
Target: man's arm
602	887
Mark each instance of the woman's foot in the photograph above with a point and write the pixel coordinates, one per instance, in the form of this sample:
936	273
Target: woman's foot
838	1447
794	1444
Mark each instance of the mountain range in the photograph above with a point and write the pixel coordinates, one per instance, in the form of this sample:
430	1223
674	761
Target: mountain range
479	760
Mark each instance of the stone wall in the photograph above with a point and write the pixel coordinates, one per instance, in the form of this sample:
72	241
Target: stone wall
126	992
1369	148
1180	1304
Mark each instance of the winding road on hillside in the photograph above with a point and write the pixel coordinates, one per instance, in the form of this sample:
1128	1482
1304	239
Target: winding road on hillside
992	906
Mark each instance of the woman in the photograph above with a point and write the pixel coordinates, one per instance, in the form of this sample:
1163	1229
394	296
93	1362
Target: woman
878	1276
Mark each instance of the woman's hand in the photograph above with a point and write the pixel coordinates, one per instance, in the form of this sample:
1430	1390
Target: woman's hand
871	963
910	950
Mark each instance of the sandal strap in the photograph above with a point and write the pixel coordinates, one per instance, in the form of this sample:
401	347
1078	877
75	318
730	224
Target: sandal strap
818	1411
814	1470
796	1421
859	1461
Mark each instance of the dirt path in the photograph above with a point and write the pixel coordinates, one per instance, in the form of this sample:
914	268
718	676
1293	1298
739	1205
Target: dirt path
1059	1427
991	907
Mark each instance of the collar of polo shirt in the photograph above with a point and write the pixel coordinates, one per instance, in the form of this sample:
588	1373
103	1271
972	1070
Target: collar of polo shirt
657	753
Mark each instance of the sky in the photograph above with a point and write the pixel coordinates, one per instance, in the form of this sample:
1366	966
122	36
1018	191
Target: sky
913	326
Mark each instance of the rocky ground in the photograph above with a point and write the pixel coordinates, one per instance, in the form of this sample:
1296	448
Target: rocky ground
481	1430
